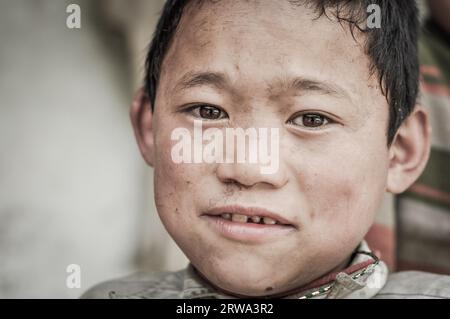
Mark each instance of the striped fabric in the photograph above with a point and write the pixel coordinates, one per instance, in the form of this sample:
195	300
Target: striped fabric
424	210
417	236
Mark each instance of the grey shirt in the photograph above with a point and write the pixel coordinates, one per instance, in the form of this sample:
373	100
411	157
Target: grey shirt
179	285
371	281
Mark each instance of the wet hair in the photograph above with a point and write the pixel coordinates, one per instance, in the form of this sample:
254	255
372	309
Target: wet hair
392	48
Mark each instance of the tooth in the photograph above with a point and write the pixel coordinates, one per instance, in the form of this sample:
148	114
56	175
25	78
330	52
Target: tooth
269	221
239	218
226	216
255	219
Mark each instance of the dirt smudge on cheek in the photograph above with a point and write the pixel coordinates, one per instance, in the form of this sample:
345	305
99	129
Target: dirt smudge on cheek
229	190
212	203
345	205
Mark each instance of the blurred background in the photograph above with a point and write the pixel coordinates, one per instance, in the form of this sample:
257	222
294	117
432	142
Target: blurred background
73	187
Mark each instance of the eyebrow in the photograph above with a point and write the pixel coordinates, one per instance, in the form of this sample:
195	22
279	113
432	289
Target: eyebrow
191	80
220	81
302	84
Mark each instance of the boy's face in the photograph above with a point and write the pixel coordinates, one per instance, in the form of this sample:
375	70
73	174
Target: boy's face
271	65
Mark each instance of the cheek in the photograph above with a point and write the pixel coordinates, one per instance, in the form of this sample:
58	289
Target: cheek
177	185
171	181
344	189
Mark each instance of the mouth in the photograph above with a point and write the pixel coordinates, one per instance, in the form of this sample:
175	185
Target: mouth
248	224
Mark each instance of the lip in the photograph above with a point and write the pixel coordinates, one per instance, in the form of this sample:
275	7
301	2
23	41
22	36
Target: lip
248	232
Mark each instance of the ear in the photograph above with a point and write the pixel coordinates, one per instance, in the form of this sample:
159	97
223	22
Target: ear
141	115
409	151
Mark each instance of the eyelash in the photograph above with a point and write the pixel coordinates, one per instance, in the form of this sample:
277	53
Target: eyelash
325	119
197	107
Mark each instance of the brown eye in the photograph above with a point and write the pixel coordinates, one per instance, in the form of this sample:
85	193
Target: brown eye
310	120
207	112
210	112
313	120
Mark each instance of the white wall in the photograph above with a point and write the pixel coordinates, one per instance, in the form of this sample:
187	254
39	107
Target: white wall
73	188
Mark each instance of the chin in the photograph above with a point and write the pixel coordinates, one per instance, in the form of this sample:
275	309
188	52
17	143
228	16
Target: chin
240	278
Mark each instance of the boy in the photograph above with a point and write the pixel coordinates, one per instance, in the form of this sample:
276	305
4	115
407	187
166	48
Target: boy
340	98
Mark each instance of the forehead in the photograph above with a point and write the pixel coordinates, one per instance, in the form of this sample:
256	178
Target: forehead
260	42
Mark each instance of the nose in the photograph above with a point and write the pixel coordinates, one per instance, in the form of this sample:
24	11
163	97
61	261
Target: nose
249	175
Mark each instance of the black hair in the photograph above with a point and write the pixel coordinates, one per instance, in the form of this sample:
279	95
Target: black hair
392	48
